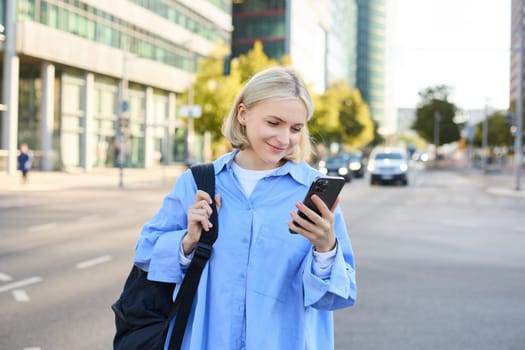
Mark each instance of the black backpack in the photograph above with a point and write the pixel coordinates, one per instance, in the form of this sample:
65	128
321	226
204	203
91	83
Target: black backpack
145	308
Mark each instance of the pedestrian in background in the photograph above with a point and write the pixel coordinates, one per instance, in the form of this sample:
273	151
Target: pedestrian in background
25	159
263	287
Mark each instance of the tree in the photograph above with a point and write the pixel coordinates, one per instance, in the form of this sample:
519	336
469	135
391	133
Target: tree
434	104
254	61
498	132
342	116
215	92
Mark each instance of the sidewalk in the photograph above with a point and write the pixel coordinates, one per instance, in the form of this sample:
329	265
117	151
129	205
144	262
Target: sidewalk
494	180
99	178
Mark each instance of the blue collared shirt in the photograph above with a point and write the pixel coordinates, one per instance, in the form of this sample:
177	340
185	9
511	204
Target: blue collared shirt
258	290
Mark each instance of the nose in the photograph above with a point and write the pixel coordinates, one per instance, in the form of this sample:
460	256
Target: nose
283	137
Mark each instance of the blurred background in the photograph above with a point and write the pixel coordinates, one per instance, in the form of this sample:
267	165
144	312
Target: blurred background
138	83
114	98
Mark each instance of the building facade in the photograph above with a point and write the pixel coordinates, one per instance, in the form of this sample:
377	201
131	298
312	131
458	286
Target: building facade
517	18
316	35
328	41
89	78
371	52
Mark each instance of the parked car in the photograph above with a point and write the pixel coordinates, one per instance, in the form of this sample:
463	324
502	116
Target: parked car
388	165
336	166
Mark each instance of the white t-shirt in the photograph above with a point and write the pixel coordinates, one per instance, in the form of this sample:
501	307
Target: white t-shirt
249	178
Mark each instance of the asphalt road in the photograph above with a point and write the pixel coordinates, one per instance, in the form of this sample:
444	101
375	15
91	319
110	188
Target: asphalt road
440	265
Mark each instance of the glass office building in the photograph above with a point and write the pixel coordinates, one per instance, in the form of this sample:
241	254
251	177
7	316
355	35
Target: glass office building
80	71
316	35
371	51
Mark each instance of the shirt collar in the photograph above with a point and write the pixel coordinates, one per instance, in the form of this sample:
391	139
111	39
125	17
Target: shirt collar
300	172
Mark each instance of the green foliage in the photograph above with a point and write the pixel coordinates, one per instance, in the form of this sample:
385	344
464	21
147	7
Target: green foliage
342	116
340	113
215	92
434	101
254	61
498	132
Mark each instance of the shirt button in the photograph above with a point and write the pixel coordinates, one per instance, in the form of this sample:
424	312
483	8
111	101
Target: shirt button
245	240
242	275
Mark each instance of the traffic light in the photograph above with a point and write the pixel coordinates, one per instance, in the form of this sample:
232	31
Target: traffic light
510	120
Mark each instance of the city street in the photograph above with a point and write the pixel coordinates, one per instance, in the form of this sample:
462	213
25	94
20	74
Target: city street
440	263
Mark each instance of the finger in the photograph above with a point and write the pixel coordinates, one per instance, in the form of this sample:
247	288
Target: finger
305	224
336	203
201	219
320	204
218	201
306	211
202	196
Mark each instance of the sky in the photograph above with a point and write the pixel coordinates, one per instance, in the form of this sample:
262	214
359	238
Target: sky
464	44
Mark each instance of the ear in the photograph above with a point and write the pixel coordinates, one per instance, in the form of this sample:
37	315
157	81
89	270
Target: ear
241	114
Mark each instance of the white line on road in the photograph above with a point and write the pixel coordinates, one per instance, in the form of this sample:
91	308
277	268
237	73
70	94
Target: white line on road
92	262
4	277
33	348
21	295
19	284
42	227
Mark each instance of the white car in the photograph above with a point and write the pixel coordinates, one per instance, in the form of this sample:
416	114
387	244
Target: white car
388	165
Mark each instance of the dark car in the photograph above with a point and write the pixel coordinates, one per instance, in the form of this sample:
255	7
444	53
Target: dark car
336	166
356	164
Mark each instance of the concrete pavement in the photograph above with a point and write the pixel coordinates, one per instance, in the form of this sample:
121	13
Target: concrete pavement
99	178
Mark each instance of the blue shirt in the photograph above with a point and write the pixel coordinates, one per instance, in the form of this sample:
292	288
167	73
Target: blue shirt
254	293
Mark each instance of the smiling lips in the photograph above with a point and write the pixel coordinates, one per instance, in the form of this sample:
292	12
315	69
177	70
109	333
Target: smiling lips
277	149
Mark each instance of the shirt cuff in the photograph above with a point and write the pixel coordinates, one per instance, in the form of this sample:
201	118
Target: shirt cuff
185	260
323	261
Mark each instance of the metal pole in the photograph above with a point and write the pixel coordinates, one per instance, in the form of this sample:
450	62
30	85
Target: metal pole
485	137
518	139
11	68
123	106
437	121
191	132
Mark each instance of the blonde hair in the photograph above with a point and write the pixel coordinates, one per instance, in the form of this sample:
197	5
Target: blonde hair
275	82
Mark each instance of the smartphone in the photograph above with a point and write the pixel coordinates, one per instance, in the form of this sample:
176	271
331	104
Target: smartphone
327	188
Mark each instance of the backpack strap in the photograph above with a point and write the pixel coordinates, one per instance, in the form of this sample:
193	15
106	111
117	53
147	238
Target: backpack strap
204	175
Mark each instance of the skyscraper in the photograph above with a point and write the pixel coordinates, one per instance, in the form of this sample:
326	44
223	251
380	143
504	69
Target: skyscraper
371	50
316	35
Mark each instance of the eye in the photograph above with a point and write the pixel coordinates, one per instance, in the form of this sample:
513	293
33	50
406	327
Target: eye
296	129
272	123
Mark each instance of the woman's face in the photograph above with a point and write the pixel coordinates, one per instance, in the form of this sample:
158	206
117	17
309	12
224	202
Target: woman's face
273	128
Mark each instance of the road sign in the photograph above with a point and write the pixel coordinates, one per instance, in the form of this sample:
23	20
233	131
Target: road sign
191	111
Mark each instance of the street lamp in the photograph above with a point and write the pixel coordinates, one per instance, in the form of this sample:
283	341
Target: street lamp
518	138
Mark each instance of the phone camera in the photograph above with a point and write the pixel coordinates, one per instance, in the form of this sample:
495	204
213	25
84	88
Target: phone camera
321	185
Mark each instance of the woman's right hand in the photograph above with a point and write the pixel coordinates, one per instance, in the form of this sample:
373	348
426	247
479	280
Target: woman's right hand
198	219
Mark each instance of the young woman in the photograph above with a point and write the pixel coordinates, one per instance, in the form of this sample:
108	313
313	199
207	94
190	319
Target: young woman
263	287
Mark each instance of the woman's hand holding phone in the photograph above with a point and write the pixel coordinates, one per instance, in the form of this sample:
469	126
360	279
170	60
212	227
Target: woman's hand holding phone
315	216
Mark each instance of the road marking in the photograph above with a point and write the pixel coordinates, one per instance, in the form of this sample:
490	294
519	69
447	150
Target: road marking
33	348
19	284
42	227
21	295
92	262
5	277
